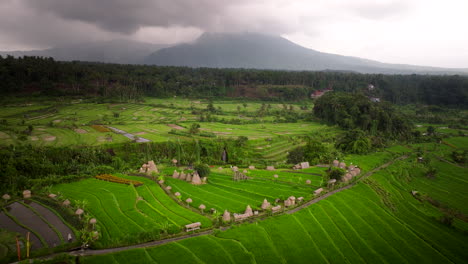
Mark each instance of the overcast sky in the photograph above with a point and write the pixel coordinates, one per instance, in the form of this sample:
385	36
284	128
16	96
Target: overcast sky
421	32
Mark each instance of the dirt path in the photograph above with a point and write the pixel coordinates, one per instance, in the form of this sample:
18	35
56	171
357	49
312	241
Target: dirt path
92	252
318	199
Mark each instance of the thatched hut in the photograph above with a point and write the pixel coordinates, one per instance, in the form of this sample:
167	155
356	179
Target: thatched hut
202	207
26	194
6	197
336	163
265	204
300	199
276	209
251	167
308	182
196	179
168	188
51	195
226	216
66	203
342	165
188	201
305	165
318	191
174	162
248	211
79	212
182	176
175	175
177	194
270	168
275	176
189	177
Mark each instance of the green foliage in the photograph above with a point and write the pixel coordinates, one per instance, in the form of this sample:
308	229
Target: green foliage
460	156
356	111
336	173
241	141
194	128
202	169
354	141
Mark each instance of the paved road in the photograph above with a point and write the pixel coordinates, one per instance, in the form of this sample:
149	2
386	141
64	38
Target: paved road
128	135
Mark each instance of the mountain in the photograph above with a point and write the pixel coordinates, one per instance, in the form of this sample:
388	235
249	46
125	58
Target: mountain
258	51
113	51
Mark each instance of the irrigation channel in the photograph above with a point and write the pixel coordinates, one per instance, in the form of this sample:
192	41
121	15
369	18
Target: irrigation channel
93	252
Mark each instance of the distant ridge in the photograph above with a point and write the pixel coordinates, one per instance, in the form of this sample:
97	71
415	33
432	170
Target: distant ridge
259	51
113	51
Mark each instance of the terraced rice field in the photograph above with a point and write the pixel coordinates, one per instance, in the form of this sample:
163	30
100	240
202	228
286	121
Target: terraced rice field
123	216
45	227
69	123
353	226
222	193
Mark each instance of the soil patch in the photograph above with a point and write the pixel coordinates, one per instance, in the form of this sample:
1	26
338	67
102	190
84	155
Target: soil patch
4	135
57	121
10	225
175	126
34	138
49	138
53	220
31	220
139	133
80	131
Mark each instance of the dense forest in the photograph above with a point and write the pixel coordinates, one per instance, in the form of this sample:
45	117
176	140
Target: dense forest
30	75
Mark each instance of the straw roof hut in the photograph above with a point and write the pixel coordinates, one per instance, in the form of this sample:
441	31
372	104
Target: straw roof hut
168	188
53	196
174	161
270	168
26	194
6	197
196	179
175	175
331	181
202	207
265	204
182	176
220	168
300	199
342	165
66	203
244	171
92	221
226	216
251	167
189	200
358	171
79	212
336	163
276	176
351	167
177	194
248	211
189	177
318	191
308	182
151	167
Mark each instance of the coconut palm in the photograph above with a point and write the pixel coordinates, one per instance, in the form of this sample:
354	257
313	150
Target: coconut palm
164	227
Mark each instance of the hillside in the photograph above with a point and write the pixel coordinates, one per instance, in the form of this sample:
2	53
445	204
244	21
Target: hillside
258	51
113	51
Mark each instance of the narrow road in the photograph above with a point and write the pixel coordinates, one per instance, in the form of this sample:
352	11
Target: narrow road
345	187
92	252
128	135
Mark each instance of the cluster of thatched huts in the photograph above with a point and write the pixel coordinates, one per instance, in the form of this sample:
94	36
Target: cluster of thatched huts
352	171
193	178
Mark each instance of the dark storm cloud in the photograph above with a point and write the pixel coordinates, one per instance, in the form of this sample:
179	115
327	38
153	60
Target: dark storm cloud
127	16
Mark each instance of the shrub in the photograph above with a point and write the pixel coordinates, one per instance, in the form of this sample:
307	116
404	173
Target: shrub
335	173
202	169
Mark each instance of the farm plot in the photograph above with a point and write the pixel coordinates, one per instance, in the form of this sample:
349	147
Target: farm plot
126	212
352	226
222	193
314	175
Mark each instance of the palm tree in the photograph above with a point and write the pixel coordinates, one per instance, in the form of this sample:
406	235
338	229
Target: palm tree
81	204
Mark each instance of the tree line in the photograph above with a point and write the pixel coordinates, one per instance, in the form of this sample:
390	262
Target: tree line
130	82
